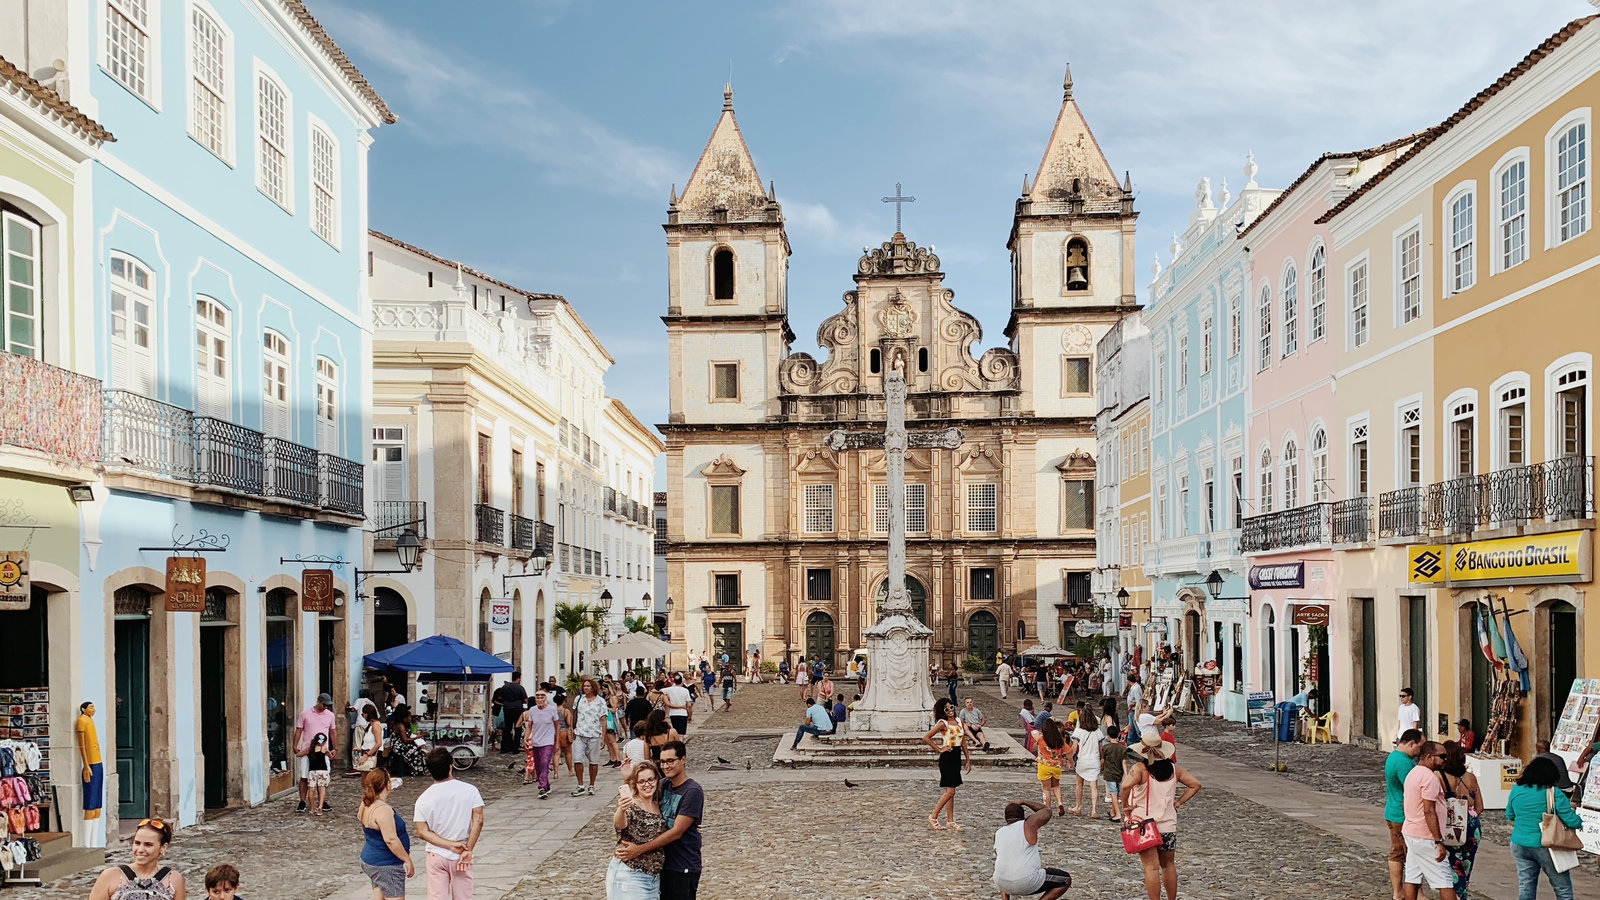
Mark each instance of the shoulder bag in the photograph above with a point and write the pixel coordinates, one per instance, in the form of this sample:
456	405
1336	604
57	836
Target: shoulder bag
1453	830
1139	836
1554	833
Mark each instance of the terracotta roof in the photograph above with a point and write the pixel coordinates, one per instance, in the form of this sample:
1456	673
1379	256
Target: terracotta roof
1504	81
52	101
1368	153
628	416
309	22
531	295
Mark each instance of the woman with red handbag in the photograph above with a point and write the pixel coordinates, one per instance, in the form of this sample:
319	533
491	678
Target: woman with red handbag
1150	798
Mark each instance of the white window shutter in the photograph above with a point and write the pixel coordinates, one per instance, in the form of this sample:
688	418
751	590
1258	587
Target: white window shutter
327	436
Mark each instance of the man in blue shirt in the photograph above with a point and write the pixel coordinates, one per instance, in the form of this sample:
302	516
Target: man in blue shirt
815	723
1038	721
1399	764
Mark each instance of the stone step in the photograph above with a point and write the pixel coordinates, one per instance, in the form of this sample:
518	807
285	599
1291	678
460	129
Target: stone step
894	749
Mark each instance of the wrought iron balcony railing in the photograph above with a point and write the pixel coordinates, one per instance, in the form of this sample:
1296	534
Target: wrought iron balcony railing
148	435
544	535
1296	527
521	533
1550	491
228	456
49	409
289	471
392	517
1400	512
341	485
491	524
1351	520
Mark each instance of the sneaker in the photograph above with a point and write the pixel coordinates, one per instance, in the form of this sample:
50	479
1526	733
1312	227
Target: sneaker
326	807
579	791
544	793
302	807
589	790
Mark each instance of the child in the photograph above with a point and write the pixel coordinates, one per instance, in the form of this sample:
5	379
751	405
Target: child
634	751
221	882
319	773
1050	753
1113	754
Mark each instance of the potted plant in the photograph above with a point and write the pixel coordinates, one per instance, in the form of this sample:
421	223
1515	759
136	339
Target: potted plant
970	668
768	667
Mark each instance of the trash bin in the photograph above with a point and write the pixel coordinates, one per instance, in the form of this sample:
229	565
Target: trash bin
1288	713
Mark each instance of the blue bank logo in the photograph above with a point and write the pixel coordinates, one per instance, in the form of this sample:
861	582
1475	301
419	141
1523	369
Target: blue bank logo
1425	564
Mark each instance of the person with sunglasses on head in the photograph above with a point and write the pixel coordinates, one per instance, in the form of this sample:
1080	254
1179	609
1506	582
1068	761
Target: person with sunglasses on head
682	805
145	878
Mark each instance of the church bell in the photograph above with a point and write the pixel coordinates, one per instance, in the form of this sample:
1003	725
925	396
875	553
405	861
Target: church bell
1077	278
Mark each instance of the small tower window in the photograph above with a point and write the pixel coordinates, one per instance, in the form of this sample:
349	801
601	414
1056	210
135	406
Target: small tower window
922	359
1077	264
875	361
722	275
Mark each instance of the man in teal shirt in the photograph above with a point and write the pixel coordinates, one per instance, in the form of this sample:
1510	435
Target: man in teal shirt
1401	761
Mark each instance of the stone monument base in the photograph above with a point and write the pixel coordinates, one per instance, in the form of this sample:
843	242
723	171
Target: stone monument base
898	699
906	749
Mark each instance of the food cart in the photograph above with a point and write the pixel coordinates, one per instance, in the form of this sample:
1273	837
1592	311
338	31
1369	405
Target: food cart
458	680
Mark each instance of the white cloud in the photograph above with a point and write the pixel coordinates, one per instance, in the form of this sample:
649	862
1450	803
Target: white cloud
817	221
451	102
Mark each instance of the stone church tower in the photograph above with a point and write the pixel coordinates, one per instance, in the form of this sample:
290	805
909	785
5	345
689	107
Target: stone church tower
775	542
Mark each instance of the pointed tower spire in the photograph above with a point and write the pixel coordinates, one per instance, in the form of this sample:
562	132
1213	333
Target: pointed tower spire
1066	84
1072	154
724	181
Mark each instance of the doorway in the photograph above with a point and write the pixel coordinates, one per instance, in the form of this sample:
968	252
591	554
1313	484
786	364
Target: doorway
1482	686
1269	639
1563	644
983	637
914	590
388	619
132	642
214	714
1369	667
1191	641
819	637
728	637
1417	655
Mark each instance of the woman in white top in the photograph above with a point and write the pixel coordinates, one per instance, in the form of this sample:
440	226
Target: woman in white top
1086	747
370	740
802	677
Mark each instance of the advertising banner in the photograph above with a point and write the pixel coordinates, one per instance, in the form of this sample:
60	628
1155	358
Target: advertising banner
15	588
316	590
1281	575
1310	615
500	616
1561	556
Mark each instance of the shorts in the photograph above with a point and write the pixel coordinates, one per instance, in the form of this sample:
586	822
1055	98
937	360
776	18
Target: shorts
1422	868
1113	788
1053	878
1046	773
389	880
319	778
1397	843
1169	842
727	692
589	750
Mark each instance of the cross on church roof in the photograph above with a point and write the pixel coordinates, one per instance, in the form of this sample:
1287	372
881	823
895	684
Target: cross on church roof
899	202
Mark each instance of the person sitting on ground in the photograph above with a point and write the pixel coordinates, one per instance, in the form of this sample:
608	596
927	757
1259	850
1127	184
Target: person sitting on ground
973	718
222	883
1017	869
815	722
840	712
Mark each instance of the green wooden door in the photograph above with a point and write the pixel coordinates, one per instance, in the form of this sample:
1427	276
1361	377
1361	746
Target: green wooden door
133	718
983	637
819	638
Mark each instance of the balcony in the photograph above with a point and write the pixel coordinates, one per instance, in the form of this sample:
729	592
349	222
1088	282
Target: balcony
1298	527
518	345
340	485
1400	512
148	435
50	410
391	517
544	535
1352	520
1548	491
522	533
611	500
491	524
289	471
228	456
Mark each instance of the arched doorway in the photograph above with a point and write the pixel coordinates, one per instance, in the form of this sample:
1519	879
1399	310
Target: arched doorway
918	594
983	636
388	619
819	637
131	621
1191	641
485	636
1562	639
219	664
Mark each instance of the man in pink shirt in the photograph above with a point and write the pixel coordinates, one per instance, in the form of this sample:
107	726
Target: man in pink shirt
312	721
1424	809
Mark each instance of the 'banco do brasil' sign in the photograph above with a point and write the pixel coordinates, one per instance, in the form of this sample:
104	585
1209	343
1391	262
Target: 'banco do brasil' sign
1562	556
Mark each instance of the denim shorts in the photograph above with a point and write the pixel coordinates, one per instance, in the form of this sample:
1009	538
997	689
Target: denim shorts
389	880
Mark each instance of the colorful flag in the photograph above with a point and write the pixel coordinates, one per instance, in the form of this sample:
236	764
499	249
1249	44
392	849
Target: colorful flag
1483	636
1515	657
1498	643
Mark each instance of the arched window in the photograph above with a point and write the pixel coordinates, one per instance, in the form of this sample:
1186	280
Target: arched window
722	274
213	358
1319	466
922	359
327	405
875	360
1291	312
1075	262
275	419
1264	501
1572	182
1291	475
1318	287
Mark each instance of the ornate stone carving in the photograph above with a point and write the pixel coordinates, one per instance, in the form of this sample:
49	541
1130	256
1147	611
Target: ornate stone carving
722	467
797	374
897	257
898	318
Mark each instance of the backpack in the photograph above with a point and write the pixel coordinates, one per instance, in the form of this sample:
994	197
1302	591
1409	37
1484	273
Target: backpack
136	888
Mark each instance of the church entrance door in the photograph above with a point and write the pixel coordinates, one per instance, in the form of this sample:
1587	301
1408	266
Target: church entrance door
915	590
983	637
819	637
727	637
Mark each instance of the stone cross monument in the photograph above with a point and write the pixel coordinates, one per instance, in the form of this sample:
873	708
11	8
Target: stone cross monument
898	698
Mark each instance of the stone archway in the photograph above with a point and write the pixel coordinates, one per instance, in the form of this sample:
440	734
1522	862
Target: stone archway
820	637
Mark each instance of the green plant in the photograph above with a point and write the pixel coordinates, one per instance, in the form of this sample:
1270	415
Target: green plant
643	670
768	667
572	619
973	663
636	624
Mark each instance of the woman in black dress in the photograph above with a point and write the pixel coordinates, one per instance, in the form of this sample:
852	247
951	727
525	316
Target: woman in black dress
949	739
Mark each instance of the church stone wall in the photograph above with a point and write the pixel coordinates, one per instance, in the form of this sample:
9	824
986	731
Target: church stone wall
693	287
696	515
750	350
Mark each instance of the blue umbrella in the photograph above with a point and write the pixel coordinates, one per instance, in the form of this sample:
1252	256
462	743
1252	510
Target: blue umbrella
438	653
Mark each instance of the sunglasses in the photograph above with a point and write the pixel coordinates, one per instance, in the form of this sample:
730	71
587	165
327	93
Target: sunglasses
153	823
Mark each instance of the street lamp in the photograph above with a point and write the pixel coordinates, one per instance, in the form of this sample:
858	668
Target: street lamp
409	549
539	561
606	598
1122	597
1214	588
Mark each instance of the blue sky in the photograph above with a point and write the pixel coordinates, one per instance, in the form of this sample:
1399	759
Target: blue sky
538	139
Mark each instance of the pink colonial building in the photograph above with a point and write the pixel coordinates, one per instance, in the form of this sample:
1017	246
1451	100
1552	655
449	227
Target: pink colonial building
1305	500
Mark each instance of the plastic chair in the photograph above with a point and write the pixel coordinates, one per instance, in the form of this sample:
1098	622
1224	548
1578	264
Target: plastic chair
1320	727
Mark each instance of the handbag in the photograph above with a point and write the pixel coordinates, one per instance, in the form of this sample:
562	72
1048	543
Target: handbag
1554	833
1142	835
1453	830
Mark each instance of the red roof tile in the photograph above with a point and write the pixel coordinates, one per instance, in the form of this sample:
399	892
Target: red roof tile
51	100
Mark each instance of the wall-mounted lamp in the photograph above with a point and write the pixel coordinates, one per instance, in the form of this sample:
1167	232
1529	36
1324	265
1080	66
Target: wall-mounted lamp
83	492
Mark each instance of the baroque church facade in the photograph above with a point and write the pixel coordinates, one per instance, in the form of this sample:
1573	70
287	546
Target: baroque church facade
776	543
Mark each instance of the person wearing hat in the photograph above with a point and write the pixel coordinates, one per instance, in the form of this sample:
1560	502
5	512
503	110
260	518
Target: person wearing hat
1150	791
314	720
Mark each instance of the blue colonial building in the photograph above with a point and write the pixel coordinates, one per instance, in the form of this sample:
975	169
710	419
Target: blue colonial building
1199	319
228	254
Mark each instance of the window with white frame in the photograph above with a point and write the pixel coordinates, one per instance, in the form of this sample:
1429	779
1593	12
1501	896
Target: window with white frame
1359	481
1513	211
1208	499
1463	419
1317	287
1078	495
213	358
327	406
983	507
1236	484
1264	330
272	139
819	508
128	44
1291	474
916	509
1572	182
1512	444
324	185
1161	376
208	87
1206	348
390	477
1319	466
133	336
1411	447
1408	250
1264	501
1462	232
1358	304
1143	448
1163	524
22	283
1235	328
1181	517
1183	361
1291	312
275	416
1571	412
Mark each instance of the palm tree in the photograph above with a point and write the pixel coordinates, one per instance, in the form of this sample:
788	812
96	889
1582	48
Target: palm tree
572	619
639	623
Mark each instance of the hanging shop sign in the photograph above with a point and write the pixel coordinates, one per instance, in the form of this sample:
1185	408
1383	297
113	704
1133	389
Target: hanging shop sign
500	616
1310	615
1562	556
15	588
1282	575
186	584
1125	621
316	590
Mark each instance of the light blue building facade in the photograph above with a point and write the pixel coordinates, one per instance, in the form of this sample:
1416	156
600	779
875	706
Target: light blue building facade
229	253
1199	319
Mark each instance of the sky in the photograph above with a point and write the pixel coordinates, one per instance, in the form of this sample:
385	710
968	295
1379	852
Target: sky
538	139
